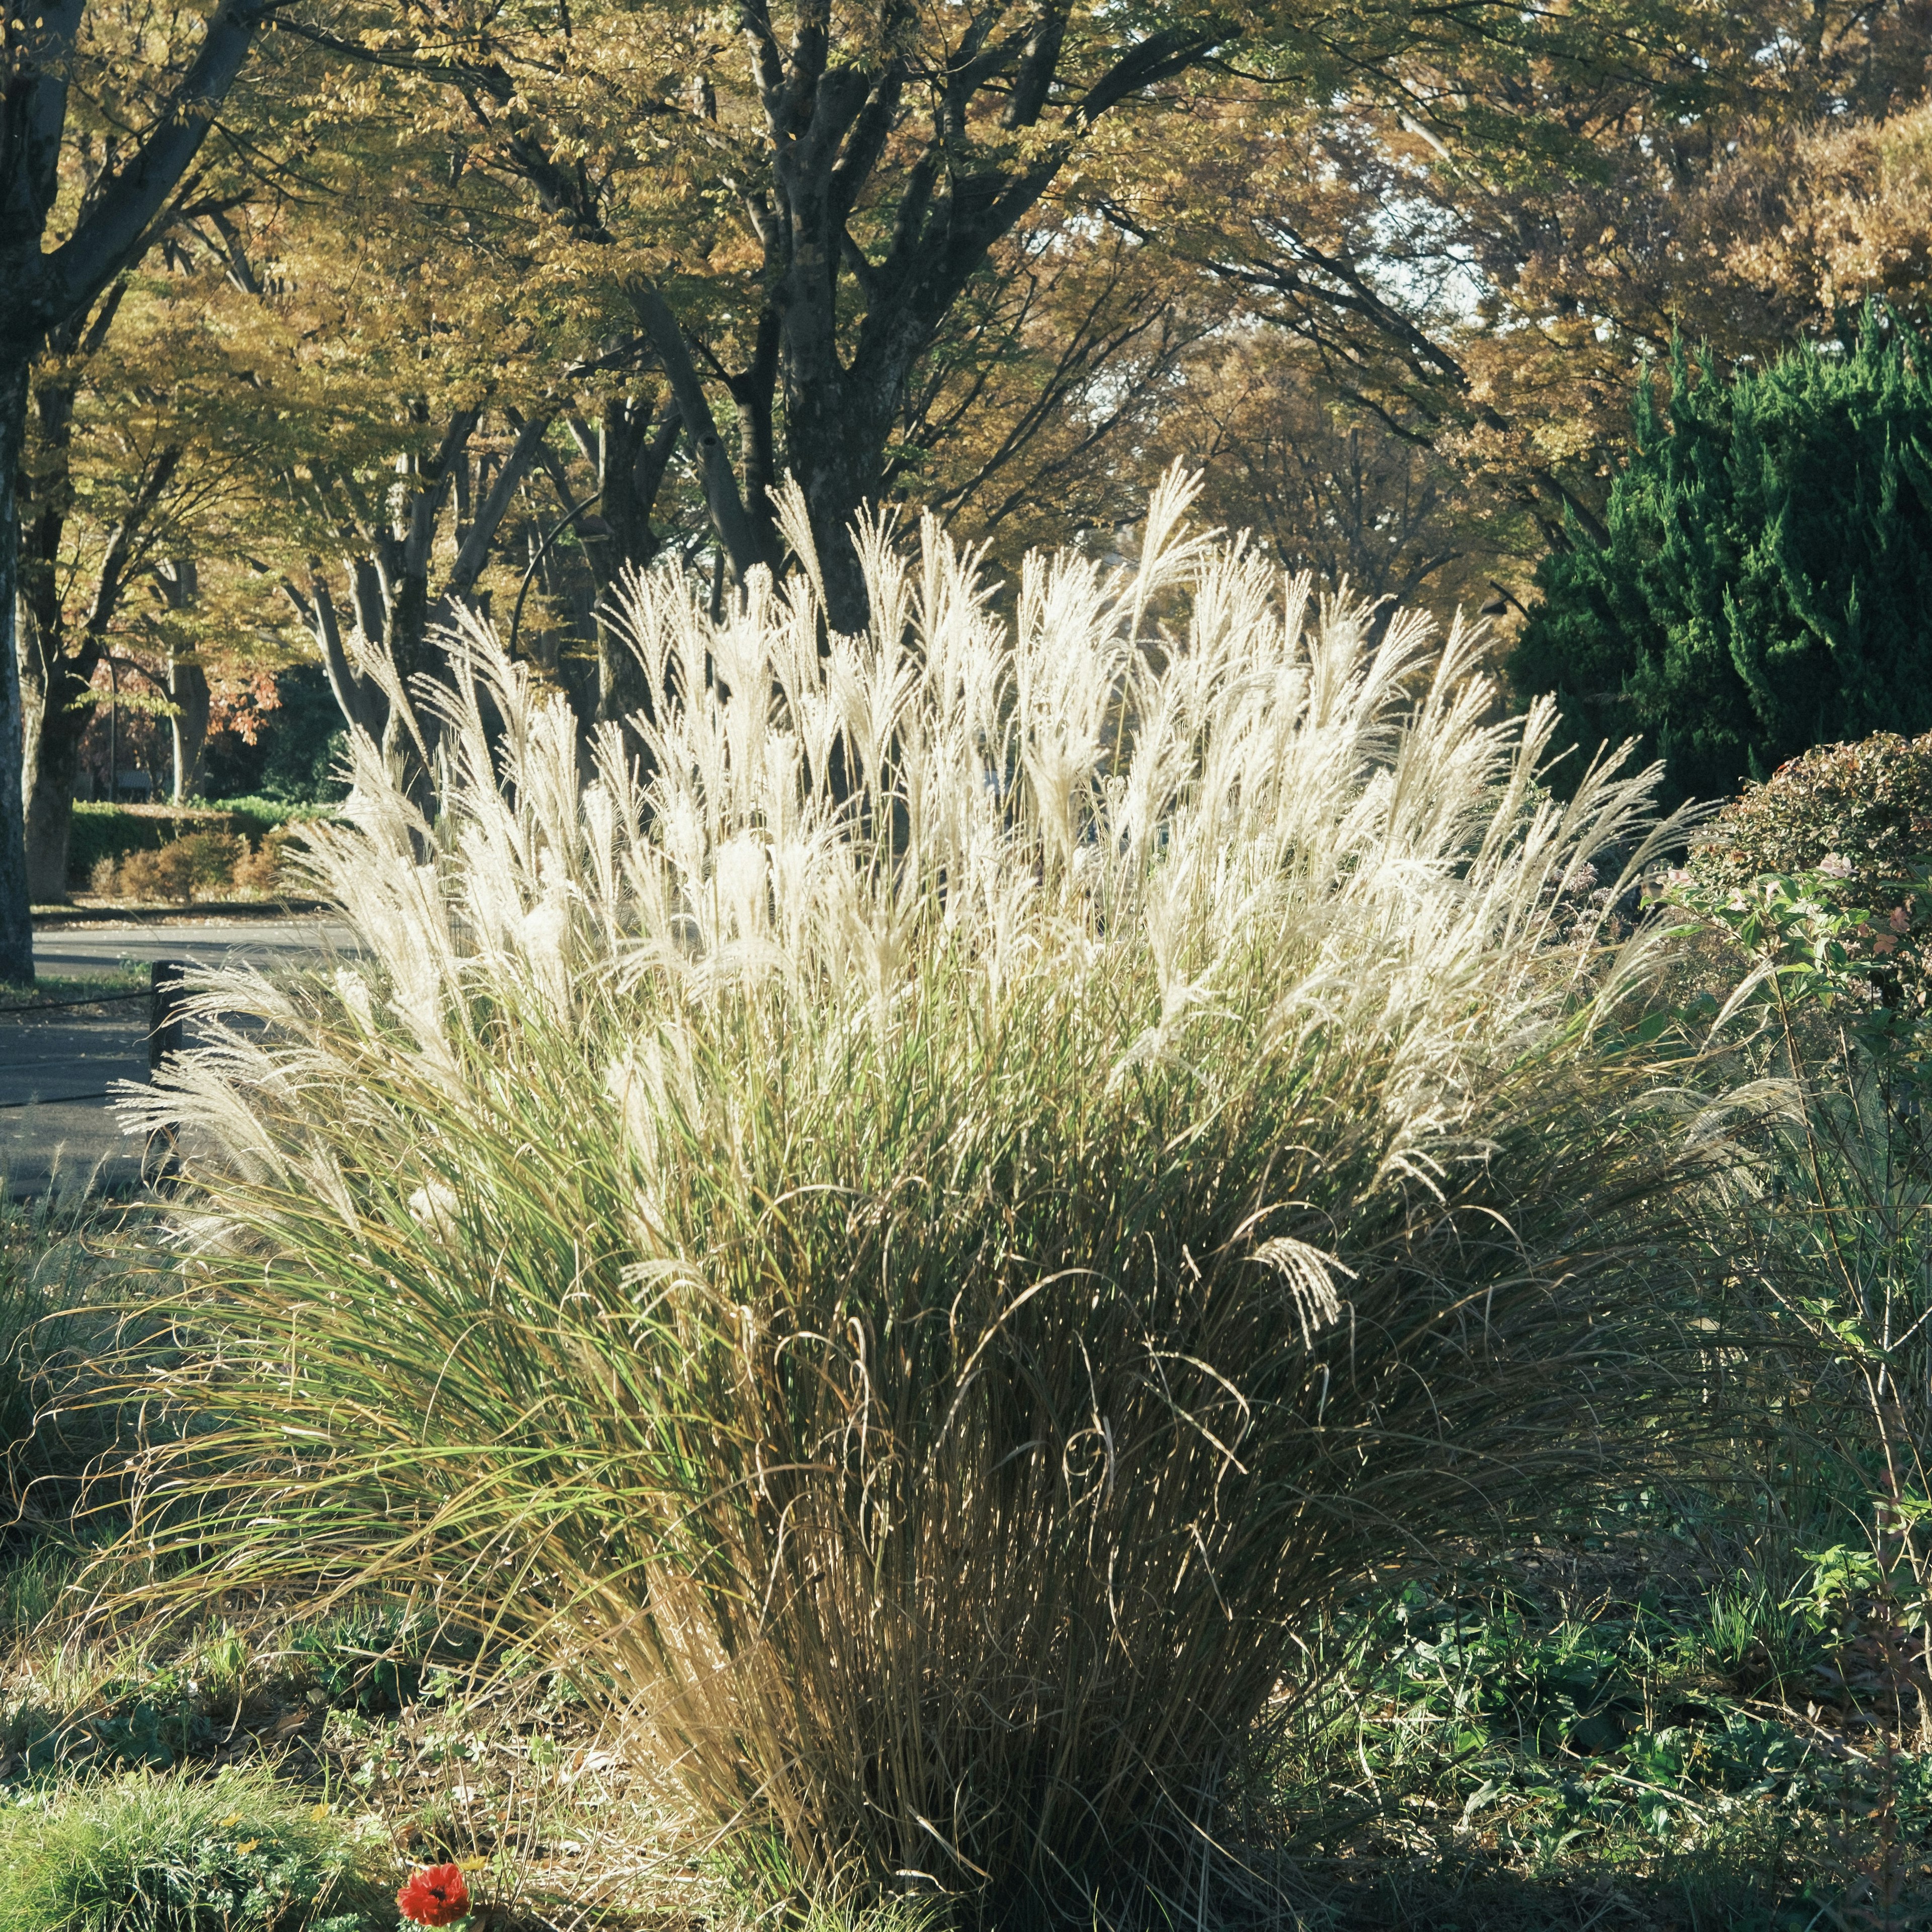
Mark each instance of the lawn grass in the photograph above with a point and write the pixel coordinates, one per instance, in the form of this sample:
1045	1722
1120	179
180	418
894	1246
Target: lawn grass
114	982
142	1853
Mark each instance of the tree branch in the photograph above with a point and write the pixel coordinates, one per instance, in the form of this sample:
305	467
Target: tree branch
474	552
108	239
721	485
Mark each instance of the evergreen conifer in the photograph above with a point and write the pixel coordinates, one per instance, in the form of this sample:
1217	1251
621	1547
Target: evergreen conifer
1766	585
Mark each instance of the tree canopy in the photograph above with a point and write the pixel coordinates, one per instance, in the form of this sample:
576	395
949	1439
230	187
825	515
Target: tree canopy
442	305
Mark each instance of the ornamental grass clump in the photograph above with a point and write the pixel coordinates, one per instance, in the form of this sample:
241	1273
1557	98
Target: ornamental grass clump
912	1237
234	1853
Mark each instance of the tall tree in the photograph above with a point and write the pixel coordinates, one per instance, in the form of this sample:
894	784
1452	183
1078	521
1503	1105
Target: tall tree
1477	243
1332	489
99	219
413	398
792	213
138	463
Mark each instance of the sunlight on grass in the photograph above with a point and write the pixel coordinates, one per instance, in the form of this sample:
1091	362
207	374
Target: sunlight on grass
909	1243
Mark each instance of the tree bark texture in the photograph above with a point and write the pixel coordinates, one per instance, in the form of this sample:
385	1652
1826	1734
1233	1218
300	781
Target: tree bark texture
634	447
16	931
187	688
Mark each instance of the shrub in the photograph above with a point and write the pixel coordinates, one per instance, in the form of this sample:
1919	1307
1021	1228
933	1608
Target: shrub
204	864
1869	803
168	873
113	831
154	1853
1829	1224
210	858
1856	821
110	832
912	1251
260	871
1766	584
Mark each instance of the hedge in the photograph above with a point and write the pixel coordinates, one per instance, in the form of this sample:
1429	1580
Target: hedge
102	831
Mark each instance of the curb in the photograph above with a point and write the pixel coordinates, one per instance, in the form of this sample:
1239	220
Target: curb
201	911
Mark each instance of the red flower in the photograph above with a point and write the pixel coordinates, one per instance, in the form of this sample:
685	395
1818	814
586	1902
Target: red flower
435	1896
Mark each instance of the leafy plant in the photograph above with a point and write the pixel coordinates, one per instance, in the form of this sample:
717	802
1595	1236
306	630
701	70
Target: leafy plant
1766	584
1848	830
184	869
105	835
1869	804
1833	1218
912	1249
147	1853
374	1658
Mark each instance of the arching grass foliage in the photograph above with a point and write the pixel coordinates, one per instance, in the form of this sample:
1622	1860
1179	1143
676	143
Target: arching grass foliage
913	1236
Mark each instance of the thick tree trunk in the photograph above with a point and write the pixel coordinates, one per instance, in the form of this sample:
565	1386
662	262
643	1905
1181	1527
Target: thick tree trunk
405	558
66	713
839	485
16	928
33	714
838	445
50	808
188	686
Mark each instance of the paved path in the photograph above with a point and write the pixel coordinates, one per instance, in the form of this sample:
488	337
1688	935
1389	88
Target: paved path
82	950
57	1124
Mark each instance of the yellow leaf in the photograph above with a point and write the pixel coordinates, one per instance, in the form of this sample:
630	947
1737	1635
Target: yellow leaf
246	1846
320	1811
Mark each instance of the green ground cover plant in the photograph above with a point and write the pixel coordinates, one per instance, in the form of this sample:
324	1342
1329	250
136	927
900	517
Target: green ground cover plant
912	1245
1824	1219
145	1854
58	989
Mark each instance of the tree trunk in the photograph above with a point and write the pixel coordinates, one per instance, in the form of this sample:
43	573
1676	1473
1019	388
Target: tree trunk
635	449
17	927
405	558
33	701
50	809
837	454
65	715
66	711
188	686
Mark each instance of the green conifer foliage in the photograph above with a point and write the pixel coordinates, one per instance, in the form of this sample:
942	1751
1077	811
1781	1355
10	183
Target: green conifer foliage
1767	582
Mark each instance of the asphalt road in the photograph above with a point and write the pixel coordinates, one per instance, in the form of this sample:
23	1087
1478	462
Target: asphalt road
58	1128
